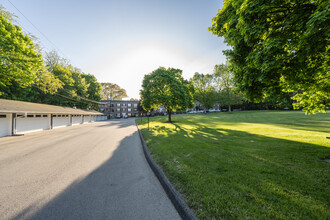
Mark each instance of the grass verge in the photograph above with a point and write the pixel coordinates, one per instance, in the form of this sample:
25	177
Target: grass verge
254	164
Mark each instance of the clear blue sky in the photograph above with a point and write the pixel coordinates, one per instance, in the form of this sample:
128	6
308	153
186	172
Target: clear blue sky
119	41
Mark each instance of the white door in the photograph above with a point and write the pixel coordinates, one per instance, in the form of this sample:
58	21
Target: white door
87	118
61	121
5	125
32	123
76	120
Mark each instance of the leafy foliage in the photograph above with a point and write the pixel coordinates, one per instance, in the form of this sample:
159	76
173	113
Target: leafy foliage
204	90
278	46
25	76
227	94
166	87
112	91
18	57
94	90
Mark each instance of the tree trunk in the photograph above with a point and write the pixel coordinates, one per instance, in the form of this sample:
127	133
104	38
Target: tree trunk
169	116
229	109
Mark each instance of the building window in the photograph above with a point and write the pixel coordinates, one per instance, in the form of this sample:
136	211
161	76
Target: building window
3	116
118	109
45	116
38	116
129	105
135	105
30	116
118	105
129	109
124	104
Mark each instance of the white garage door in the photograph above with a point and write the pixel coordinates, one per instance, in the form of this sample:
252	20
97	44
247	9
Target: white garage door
87	118
5	125
61	121
32	123
76	119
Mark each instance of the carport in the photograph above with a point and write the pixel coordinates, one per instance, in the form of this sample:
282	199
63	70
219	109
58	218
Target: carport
17	117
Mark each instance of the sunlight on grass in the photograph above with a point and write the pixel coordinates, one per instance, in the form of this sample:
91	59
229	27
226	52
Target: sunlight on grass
255	164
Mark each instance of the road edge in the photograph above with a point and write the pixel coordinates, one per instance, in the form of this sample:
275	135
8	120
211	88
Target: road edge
180	205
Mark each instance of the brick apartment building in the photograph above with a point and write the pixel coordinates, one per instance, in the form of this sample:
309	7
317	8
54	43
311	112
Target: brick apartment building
119	108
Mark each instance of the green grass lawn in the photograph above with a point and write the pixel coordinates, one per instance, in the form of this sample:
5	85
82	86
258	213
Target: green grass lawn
246	165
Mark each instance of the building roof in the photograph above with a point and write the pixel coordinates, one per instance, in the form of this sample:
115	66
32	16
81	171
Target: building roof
124	101
13	106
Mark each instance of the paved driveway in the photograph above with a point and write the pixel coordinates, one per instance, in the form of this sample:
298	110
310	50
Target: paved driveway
92	171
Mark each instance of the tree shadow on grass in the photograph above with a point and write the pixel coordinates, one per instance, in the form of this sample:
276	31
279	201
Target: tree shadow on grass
234	174
290	119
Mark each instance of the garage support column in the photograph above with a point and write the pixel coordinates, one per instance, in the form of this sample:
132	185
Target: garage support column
70	119
13	124
83	119
51	121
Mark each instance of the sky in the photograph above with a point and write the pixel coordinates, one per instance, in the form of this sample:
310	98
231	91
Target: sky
119	41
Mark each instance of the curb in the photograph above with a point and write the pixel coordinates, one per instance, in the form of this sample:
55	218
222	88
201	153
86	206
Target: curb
180	205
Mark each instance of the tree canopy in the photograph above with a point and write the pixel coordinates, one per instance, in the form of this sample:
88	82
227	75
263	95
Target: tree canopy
112	91
204	89
25	76
166	87
18	57
224	80
278	46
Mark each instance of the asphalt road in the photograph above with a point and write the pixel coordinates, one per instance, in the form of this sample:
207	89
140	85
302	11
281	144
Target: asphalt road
91	171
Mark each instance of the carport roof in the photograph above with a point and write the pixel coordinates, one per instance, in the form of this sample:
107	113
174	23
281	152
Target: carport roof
13	106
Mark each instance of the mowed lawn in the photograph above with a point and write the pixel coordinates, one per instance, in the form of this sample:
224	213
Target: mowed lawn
246	165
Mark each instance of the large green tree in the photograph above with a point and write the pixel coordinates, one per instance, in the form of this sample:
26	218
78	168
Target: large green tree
224	84
278	46
204	89
19	61
93	91
166	87
23	75
112	91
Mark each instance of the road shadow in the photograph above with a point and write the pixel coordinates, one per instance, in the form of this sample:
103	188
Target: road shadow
121	123
123	187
